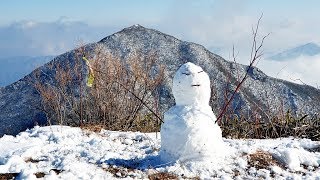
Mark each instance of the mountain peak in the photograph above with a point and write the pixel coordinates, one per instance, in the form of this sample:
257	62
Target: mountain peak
308	49
136	26
20	102
137	32
309	46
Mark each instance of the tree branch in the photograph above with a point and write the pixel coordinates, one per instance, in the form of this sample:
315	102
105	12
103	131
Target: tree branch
255	56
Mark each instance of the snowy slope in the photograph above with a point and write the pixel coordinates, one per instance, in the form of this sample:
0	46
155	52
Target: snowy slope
61	152
19	102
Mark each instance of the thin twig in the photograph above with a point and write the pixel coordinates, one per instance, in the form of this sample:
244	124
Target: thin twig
137	97
255	55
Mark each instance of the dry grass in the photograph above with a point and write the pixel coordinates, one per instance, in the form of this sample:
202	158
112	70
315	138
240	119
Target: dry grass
7	176
190	178
32	160
261	160
92	127
278	126
162	176
40	174
119	172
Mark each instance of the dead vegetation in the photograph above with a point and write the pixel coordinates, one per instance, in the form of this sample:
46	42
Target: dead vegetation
40	174
163	176
7	176
262	123
256	53
122	95
31	160
278	126
262	160
120	172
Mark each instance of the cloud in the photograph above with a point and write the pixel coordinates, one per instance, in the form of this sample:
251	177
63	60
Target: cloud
31	38
302	70
218	25
229	23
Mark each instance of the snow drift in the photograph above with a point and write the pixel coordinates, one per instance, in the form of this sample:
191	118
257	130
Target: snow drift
61	152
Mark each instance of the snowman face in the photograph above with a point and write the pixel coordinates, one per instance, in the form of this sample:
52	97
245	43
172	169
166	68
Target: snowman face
191	85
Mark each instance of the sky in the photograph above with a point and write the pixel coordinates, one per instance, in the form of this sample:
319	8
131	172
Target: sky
43	27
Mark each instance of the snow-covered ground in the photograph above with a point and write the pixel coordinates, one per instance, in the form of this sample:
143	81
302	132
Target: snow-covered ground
61	152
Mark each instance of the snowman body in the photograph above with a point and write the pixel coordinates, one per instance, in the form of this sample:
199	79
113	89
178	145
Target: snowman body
189	131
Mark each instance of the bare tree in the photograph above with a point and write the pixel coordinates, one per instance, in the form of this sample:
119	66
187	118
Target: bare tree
256	53
122	94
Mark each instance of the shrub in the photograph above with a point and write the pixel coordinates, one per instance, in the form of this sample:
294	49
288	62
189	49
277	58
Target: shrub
123	95
278	126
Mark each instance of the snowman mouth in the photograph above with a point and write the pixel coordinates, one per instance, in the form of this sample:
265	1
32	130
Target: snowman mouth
195	85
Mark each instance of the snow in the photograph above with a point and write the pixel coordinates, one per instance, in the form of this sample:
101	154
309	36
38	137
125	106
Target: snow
191	86
62	152
190	145
189	131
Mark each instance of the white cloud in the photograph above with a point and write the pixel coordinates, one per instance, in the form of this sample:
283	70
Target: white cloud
302	70
231	24
30	38
217	26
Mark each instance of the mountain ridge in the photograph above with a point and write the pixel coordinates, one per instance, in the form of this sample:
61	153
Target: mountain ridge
259	94
308	49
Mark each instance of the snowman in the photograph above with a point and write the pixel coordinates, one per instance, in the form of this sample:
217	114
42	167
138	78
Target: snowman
189	131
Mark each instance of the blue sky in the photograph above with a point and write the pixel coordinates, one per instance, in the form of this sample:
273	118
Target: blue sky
100	12
217	24
97	12
43	27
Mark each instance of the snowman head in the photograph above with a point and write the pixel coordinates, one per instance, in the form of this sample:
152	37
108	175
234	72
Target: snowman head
191	86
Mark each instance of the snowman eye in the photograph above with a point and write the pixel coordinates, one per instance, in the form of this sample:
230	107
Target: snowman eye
200	71
187	74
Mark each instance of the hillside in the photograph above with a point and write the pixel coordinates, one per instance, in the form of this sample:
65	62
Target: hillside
260	95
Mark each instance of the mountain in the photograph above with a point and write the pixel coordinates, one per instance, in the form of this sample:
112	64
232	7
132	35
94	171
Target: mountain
309	49
260	95
14	68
